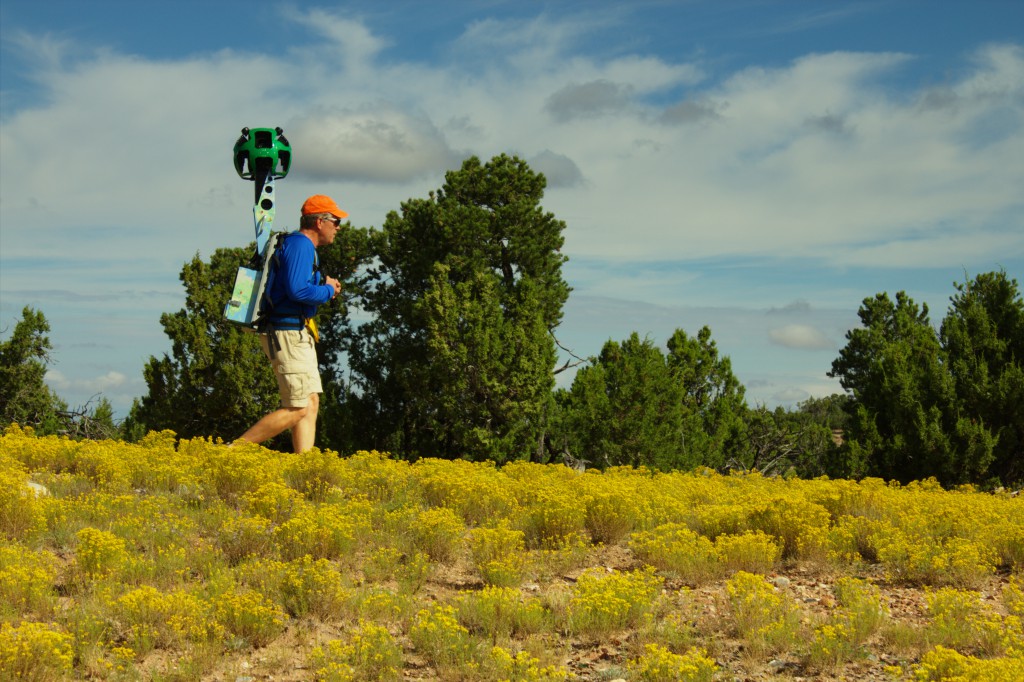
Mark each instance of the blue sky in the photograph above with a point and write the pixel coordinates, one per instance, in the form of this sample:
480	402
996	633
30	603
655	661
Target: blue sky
759	167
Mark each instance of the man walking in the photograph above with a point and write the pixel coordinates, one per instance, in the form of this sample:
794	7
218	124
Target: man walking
295	294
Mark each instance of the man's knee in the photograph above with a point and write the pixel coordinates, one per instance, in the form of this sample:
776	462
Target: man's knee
307	411
297	414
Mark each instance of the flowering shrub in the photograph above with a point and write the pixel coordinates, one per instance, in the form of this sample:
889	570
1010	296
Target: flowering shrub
614	509
658	664
946	664
249	616
500	612
309	586
273	501
753	551
100	552
1013	596
240	537
674	547
26	580
436	634
34	652
382	564
377	477
934	561
324	532
554	518
497	554
314	474
437	532
801	526
231	472
476	491
21	512
960	620
833	643
862	607
852	539
522	667
765	619
151	618
379	604
369	654
603	603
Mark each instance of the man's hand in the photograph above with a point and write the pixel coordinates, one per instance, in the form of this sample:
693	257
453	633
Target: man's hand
335	284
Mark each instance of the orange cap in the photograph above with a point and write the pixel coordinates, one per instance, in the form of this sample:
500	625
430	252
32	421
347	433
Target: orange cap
318	203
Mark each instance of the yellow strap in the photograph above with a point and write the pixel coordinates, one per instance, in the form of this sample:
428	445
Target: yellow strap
311	328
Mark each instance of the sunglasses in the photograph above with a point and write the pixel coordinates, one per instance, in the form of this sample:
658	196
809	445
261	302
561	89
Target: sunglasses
336	221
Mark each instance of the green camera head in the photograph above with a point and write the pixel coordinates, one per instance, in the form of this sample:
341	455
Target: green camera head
262	153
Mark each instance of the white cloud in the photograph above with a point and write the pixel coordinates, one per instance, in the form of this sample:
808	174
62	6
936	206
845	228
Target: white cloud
757	176
378	144
355	44
801	337
100	384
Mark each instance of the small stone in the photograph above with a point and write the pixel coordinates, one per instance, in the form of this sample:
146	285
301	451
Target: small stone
780	581
776	664
39	490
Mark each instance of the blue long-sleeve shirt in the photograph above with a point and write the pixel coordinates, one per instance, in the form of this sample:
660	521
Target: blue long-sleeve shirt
296	291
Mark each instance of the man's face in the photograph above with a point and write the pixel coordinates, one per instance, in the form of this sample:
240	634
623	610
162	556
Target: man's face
329	229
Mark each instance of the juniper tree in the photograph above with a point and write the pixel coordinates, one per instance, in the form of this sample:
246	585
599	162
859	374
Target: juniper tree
458	358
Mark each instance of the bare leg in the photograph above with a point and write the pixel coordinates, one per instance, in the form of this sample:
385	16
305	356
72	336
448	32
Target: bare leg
276	422
304	432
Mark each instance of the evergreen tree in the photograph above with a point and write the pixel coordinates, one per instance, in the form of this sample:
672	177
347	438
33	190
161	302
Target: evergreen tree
623	409
713	404
457	360
25	399
634	405
983	337
906	422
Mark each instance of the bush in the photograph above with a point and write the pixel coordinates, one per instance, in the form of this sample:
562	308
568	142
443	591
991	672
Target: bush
522	667
497	554
753	551
34	652
661	665
26	581
438	533
500	612
21	512
436	634
765	619
945	664
604	603
675	548
249	616
369	654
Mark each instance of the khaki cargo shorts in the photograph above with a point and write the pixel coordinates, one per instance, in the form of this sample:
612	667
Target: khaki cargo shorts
294	365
